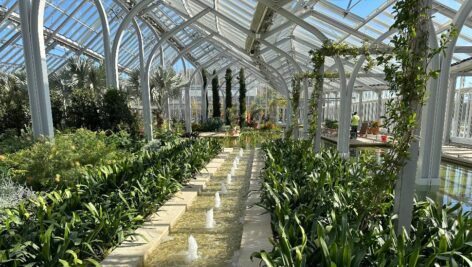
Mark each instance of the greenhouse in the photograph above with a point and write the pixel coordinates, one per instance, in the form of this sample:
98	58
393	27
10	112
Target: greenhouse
240	133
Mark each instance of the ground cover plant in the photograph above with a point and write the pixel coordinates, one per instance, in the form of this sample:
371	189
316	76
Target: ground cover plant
78	224
322	215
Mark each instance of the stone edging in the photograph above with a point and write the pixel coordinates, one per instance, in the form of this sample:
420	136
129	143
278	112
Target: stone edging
135	251
257	228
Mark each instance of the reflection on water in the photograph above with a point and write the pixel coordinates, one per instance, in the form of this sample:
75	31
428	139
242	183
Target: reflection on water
455	183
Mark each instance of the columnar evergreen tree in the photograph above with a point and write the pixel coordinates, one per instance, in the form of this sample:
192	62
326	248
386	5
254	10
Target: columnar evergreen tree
216	96
204	95
242	98
229	105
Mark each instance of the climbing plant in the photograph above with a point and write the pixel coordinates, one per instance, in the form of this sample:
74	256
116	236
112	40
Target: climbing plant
296	88
331	49
229	104
216	96
242	98
407	75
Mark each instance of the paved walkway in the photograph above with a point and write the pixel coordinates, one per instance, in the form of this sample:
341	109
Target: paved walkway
257	229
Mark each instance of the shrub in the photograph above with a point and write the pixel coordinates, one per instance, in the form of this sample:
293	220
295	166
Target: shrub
12	193
84	110
47	164
322	214
115	112
10	142
211	125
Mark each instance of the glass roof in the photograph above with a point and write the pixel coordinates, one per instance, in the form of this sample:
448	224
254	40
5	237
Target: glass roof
223	37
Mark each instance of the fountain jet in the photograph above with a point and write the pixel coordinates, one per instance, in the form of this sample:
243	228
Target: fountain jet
210	222
217	200
223	188
228	178
192	253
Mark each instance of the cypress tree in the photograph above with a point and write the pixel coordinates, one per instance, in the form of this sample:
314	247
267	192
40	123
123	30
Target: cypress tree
242	98
229	105
216	96
204	96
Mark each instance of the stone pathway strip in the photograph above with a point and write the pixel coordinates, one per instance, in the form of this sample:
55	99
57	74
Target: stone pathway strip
134	251
218	244
256	229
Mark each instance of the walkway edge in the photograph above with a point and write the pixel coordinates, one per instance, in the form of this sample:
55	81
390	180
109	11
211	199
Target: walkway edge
134	251
256	229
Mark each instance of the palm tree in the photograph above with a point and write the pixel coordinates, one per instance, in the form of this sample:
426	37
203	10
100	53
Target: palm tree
165	84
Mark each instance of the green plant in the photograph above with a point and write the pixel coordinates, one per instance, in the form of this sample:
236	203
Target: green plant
229	95
212	125
83	111
115	112
216	96
242	98
79	225
47	164
14	105
331	124
323	215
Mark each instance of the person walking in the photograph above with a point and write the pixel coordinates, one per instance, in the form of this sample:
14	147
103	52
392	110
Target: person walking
354	125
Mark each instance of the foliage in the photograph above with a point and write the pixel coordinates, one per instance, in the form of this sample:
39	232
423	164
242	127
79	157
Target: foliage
229	96
84	109
79	225
10	142
322	214
296	88
204	89
115	111
242	98
47	165
212	125
14	105
165	83
216	96
407	74
331	124
12	193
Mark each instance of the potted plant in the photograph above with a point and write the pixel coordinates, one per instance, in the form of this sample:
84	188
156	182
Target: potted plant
375	127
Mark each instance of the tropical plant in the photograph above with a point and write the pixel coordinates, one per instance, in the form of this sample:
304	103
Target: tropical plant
165	84
14	103
84	110
229	96
79	225
49	164
322	215
115	113
242	98
216	96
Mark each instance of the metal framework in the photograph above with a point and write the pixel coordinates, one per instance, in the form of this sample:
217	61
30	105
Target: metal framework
271	39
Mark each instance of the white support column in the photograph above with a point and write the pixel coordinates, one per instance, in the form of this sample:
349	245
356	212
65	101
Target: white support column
203	102
336	115
451	104
379	106
361	105
106	42
437	137
181	106
288	112
32	17
319	111
306	107
145	93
